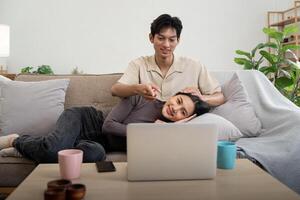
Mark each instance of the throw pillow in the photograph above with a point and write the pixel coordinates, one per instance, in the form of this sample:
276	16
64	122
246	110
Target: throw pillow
226	130
31	107
238	109
3	78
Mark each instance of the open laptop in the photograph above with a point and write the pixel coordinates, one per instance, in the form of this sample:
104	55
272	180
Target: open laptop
171	151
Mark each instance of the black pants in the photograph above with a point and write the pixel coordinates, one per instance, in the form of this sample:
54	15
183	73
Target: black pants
79	128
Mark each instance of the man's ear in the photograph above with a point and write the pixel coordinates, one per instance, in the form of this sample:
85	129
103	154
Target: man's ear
151	38
178	40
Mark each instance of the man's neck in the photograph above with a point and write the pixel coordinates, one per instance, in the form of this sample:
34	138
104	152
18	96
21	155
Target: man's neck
164	63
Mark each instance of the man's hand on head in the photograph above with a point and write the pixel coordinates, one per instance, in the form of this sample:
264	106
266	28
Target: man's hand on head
214	99
194	91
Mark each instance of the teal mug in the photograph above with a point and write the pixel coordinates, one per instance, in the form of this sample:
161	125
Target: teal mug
226	155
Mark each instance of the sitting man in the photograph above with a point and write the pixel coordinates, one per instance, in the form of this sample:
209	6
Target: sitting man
163	74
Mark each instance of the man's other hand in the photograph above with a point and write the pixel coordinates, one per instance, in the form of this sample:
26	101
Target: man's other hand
148	91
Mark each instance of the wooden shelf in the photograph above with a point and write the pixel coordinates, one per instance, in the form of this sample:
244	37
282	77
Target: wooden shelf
286	22
291	42
280	19
295	36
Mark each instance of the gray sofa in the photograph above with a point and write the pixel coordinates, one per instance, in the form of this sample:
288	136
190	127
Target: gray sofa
83	90
94	90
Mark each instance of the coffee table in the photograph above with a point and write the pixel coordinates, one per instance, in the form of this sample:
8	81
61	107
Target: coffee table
247	181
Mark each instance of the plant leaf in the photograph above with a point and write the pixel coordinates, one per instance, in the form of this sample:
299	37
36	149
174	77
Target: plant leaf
26	69
259	46
248	65
288	30
267	56
240	61
297	101
240	52
269	30
290	47
283	82
271	45
44	69
273	33
267	69
277	35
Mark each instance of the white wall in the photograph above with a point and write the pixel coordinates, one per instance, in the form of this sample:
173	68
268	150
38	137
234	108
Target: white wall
102	36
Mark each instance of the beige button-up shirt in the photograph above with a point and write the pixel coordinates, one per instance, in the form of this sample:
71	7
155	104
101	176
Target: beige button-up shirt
184	72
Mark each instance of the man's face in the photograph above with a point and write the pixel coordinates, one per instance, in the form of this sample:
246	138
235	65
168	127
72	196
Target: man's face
165	42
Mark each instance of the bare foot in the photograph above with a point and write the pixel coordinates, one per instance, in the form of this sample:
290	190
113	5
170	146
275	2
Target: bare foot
10	152
6	141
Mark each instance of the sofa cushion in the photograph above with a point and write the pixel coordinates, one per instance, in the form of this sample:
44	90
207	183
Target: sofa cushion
226	130
84	90
31	107
3	78
238	109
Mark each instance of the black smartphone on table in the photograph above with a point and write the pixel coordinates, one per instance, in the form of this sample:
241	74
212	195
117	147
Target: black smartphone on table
105	166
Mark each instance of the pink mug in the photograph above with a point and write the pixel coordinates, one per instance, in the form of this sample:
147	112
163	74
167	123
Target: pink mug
70	163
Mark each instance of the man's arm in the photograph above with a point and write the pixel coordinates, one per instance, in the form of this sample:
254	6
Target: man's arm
129	84
148	91
209	89
123	90
214	99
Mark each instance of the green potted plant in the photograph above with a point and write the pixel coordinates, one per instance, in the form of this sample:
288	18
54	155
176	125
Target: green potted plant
250	61
281	71
76	71
293	91
43	69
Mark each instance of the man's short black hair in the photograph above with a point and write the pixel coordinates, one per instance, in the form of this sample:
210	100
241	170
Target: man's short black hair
165	21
